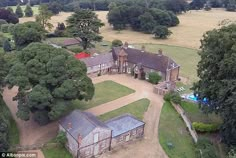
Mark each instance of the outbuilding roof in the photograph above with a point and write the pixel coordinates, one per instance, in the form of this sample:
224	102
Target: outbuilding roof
98	59
123	124
82	123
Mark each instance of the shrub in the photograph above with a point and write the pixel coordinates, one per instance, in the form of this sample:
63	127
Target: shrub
7	46
161	32
11	28
173	96
4	28
2	39
61	138
2	22
76	50
203	127
8	16
154	77
28	11
206	147
19	12
116	43
167	97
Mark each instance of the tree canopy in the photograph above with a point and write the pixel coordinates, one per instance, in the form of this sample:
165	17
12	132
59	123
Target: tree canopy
9	16
27	33
19	12
85	25
48	79
217	74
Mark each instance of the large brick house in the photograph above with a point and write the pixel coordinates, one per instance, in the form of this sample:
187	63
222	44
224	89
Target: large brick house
88	137
125	60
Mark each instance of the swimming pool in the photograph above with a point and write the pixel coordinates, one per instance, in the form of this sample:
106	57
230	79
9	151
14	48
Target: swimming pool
193	98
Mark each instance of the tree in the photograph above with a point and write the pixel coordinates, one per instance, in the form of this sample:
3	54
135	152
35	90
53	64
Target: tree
60	30
232	153
19	12
147	22
10	9
55	7
49	79
28	11
27	33
3	70
116	43
85	25
44	16
217	83
197	4
161	32
7	46
8	16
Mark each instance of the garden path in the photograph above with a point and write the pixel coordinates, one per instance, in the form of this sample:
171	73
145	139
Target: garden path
149	147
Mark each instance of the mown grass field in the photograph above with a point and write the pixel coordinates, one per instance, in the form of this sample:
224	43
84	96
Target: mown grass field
137	108
104	92
173	130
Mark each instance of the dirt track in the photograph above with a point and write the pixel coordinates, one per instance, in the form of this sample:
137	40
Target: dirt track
149	147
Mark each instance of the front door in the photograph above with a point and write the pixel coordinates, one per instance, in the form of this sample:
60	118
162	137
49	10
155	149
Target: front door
96	149
127	138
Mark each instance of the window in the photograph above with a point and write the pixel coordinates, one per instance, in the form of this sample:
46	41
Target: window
95	138
121	138
134	132
87	152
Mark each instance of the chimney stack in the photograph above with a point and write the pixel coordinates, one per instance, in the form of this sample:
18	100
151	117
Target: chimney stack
126	45
143	48
160	52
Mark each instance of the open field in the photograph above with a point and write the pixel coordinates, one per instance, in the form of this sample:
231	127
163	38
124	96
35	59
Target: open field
104	92
173	130
137	108
188	33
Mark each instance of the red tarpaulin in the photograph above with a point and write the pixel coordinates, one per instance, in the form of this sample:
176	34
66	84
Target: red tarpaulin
82	55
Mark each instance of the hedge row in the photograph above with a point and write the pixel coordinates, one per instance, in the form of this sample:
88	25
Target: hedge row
203	127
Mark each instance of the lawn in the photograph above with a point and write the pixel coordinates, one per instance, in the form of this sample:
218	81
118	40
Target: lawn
196	115
137	108
187	58
52	151
173	130
104	92
34	8
13	130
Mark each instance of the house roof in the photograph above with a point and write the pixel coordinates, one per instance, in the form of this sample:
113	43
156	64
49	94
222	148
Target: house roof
82	55
98	59
82	123
150	60
71	41
123	124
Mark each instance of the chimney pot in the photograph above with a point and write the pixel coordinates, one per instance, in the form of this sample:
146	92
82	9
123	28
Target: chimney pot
160	52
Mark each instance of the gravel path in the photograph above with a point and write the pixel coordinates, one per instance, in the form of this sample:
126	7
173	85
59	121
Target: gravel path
149	147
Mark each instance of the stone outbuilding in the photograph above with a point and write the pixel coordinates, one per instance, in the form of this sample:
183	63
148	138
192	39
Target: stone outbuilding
88	137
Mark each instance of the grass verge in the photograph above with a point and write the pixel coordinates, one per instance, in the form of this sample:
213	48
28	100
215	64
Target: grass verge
137	108
104	92
173	130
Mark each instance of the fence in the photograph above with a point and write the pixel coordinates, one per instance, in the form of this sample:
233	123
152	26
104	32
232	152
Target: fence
188	123
32	147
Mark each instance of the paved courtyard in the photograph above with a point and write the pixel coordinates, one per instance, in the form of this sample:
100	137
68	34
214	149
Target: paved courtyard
149	147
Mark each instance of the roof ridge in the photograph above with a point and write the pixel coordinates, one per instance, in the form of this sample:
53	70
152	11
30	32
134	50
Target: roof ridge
87	118
123	115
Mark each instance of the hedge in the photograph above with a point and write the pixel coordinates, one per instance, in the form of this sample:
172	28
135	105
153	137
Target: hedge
203	127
